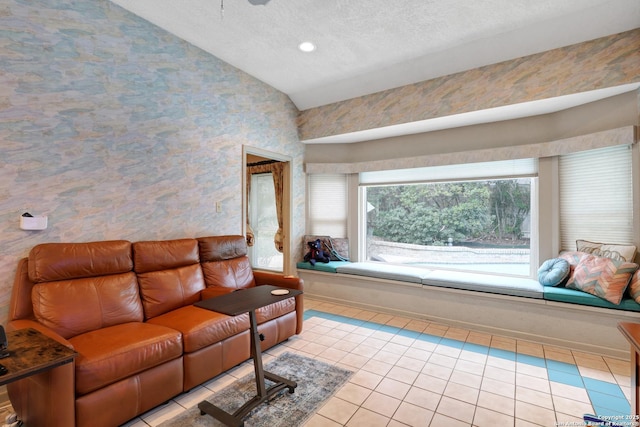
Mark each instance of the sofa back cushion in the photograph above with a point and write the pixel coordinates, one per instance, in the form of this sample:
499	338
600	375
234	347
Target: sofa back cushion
79	287
169	274
50	262
225	263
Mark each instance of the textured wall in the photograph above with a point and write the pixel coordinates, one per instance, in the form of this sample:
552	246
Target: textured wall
601	63
116	129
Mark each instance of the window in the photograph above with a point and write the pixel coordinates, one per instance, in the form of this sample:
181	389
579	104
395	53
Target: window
596	199
327	205
473	217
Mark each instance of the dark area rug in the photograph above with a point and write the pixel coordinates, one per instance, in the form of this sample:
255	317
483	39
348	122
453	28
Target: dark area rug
317	381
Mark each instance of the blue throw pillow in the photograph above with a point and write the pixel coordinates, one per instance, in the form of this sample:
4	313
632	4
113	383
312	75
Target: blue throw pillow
553	272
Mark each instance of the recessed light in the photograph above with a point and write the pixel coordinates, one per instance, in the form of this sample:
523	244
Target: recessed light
307	47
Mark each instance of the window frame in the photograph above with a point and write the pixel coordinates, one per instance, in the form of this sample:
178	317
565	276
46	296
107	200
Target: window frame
546	226
527	171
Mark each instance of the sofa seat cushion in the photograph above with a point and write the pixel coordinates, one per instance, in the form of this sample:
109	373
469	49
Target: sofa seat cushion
277	309
385	271
578	297
201	327
505	285
110	354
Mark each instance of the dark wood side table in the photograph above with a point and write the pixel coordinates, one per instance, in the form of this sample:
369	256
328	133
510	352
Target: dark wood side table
32	352
38	359
631	332
233	304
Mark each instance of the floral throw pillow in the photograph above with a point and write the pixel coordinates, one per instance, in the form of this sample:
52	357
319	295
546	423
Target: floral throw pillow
603	277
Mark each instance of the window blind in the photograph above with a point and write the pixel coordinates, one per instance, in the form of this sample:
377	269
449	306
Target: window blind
596	200
327	205
459	172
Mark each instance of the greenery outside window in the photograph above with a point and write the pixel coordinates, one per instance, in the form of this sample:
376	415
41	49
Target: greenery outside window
432	218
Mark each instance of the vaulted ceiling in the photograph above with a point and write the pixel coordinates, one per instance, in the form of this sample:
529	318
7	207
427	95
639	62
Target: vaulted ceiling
365	46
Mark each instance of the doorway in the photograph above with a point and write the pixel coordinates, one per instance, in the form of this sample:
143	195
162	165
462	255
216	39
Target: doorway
266	220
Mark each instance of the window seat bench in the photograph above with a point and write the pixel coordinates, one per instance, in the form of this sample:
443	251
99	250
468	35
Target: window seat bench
514	306
504	285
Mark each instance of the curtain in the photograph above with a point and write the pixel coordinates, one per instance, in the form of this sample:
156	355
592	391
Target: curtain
276	168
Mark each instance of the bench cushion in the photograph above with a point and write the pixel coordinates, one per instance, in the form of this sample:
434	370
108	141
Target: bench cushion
485	283
385	271
329	267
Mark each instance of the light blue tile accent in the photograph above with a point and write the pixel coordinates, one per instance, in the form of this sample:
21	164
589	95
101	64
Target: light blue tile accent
567	368
608	405
408	333
530	360
606	398
430	338
603	387
476	348
452	343
389	329
372	325
502	354
354	322
565	378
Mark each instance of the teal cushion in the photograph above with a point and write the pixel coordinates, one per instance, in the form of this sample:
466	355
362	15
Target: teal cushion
553	272
578	297
329	267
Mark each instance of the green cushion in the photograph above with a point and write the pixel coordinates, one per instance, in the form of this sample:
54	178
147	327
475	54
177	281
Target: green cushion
578	297
329	267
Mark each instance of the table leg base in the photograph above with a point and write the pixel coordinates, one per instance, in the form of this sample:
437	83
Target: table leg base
237	418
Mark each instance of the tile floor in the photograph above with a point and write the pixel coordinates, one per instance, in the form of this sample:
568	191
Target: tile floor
411	372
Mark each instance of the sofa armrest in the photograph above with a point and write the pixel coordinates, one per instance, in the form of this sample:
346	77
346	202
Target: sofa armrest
275	279
289	282
14	325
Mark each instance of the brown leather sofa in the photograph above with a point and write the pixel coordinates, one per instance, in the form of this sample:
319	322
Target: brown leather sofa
127	310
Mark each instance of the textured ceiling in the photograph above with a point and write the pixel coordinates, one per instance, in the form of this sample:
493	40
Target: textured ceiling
365	46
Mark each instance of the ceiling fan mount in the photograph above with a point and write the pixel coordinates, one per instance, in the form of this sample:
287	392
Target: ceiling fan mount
253	2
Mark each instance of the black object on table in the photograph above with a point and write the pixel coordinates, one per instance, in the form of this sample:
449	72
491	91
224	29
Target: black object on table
233	304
